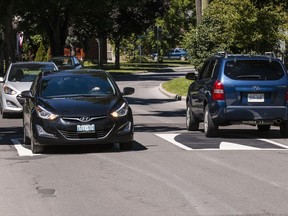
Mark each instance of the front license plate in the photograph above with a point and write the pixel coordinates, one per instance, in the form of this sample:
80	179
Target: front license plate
256	97
86	128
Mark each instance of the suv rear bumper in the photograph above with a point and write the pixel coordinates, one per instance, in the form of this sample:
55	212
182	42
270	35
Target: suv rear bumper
259	115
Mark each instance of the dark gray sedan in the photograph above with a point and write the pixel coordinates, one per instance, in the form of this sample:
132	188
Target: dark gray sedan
76	107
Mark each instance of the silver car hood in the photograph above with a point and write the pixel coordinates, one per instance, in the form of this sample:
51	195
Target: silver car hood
19	86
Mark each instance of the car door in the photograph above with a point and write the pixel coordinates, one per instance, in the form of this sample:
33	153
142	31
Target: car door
202	87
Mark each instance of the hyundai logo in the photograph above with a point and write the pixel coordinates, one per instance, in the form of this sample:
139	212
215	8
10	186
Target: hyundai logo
85	119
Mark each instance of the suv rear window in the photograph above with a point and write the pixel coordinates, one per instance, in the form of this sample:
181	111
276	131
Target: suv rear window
253	70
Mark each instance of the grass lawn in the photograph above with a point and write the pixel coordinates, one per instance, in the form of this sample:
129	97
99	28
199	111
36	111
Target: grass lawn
177	86
143	67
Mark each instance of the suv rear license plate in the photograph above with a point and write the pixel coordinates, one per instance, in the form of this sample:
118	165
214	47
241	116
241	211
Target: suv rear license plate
86	128
256	97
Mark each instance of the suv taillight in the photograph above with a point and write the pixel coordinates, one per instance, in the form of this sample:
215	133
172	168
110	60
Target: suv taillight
218	91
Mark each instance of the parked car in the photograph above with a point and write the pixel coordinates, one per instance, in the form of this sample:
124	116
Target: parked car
18	78
238	89
176	53
66	62
76	107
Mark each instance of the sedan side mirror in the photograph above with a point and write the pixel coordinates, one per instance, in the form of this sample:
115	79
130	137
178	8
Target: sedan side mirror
27	95
191	76
128	91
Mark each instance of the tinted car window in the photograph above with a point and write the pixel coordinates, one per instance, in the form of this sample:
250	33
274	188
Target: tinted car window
77	85
208	69
253	70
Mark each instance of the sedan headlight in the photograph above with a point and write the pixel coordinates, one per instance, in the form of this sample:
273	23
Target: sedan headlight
120	112
9	91
45	114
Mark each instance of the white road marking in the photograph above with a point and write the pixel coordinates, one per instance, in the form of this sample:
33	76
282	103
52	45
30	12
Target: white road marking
274	143
235	146
21	150
170	138
223	145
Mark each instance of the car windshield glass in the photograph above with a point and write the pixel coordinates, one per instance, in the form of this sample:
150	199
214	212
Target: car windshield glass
254	70
65	61
27	72
74	86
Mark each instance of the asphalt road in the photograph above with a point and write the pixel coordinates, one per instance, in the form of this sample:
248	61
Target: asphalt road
169	172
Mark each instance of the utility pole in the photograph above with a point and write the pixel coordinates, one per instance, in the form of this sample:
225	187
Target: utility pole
198	4
201	5
205	4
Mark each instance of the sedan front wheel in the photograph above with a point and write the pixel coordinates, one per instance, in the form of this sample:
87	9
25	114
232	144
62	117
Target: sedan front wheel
126	146
35	148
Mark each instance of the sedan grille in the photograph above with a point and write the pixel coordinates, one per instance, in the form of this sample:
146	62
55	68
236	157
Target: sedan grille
84	118
99	134
103	127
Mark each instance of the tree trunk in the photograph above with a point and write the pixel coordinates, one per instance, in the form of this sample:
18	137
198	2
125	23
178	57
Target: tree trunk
57	30
9	36
117	54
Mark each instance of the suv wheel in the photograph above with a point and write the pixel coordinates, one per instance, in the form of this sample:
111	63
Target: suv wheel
284	129
210	127
191	123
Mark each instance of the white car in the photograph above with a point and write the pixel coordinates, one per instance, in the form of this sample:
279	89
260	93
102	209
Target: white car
18	78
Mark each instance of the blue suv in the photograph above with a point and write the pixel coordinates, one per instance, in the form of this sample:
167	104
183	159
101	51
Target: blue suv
238	89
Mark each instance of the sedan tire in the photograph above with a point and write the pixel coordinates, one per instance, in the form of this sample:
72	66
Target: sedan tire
36	148
126	146
27	140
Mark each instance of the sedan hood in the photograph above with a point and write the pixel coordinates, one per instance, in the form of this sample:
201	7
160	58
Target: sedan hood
81	106
19	86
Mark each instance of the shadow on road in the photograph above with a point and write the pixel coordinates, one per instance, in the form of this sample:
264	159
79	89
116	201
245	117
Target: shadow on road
87	149
8	133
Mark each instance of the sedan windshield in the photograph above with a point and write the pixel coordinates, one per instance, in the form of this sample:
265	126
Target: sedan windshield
27	72
77	86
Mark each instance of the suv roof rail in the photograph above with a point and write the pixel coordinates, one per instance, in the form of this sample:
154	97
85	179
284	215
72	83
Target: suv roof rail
223	53
271	54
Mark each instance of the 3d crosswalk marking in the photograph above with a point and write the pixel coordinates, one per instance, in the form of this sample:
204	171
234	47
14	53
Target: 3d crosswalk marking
187	143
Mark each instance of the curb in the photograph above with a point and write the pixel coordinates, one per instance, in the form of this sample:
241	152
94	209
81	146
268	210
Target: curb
171	95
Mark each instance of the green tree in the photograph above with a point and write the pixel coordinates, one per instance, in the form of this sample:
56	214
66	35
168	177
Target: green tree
6	24
133	18
41	54
173	25
224	29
